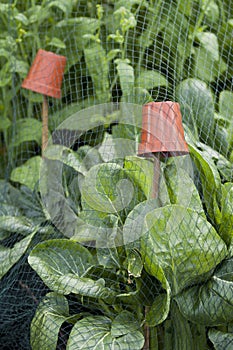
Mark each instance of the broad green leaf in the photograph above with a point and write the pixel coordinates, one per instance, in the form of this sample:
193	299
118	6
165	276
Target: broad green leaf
107	238
108	188
211	182
141	171
210	42
115	279
62	265
211	10
126	131
133	227
108	257
225	103
9	210
63	5
10	256
90	156
94	332
211	303
160	308
94	225
112	54
224	167
226	226
66	156
225	270
181	243
37	14
56	42
197	106
148	79
125	137
21	18
97	64
17	224
27	129
107	148
51	313
221	141
28	174
29	203
126	76
181	188
124	323
206	67
221	340
8	193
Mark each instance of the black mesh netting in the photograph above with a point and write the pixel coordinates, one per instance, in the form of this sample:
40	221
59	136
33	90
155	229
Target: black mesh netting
116	181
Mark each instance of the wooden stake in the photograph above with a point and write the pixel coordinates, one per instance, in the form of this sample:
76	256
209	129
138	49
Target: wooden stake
154	195
156	175
45	126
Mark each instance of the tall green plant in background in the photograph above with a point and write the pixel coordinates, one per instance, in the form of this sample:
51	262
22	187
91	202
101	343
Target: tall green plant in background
133	51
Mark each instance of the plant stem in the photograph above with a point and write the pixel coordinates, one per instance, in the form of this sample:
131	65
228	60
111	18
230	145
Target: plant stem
146	332
141	54
105	308
156	175
154	344
45	128
200	19
114	82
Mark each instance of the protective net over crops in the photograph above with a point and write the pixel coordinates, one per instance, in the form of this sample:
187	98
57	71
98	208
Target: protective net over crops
116	190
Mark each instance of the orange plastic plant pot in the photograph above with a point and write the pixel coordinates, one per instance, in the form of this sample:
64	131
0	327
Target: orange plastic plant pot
46	73
162	130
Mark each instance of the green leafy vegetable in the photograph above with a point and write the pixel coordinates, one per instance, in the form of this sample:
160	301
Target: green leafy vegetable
108	188
51	313
98	331
10	256
28	174
167	231
62	265
197	107
221	340
211	302
97	65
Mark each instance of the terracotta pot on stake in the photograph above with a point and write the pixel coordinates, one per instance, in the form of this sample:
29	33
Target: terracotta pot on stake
45	77
162	136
